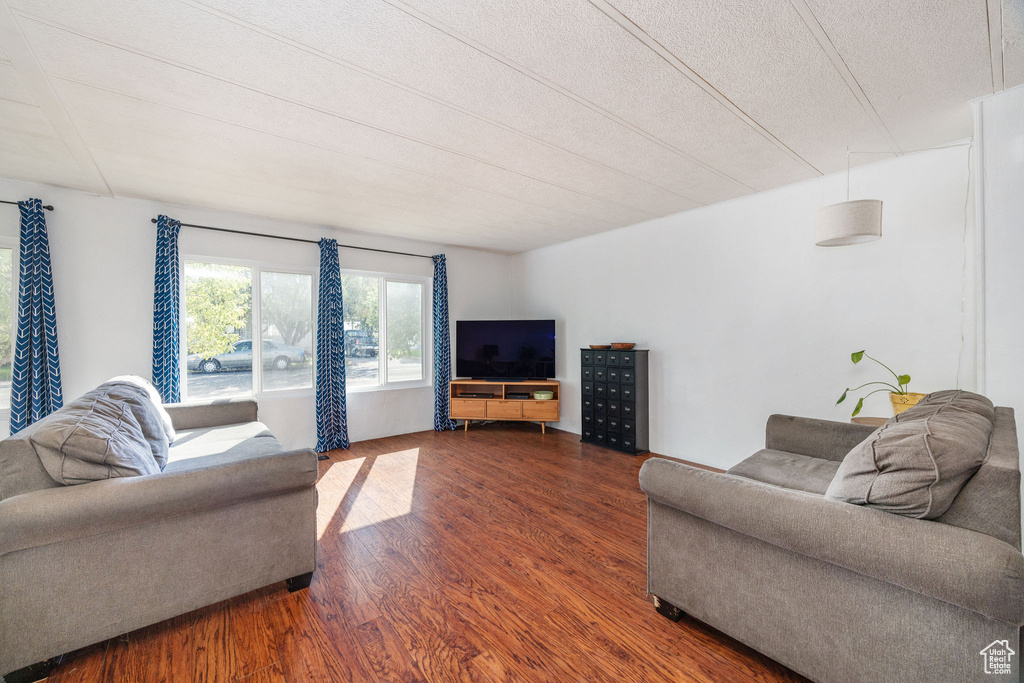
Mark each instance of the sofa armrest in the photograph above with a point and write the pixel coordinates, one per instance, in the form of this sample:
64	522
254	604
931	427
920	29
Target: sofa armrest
61	514
200	414
958	566
816	438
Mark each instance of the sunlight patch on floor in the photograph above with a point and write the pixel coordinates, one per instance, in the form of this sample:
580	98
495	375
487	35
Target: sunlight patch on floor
364	491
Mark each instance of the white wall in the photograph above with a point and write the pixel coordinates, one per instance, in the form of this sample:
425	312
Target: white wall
1000	126
745	317
103	254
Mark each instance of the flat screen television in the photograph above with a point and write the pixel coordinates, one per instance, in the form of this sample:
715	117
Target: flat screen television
505	349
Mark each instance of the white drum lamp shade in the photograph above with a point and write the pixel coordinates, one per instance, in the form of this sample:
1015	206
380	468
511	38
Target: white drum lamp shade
845	223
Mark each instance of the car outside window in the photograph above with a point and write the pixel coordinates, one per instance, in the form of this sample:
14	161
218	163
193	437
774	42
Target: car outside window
229	306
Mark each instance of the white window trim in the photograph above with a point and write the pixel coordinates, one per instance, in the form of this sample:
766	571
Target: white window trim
428	335
258	268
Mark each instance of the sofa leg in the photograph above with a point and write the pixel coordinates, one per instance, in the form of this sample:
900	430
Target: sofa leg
297	583
667	610
33	672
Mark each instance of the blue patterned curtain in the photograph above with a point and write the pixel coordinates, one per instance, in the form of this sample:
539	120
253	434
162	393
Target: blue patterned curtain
442	348
331	420
167	311
35	376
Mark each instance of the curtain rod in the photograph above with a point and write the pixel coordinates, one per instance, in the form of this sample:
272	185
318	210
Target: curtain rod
292	239
4	201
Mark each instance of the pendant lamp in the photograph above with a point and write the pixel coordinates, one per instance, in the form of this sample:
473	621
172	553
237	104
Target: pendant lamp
849	222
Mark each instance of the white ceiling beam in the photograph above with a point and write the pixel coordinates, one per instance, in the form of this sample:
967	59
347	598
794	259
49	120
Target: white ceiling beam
644	37
840	64
25	62
273	35
995	43
371	124
483	49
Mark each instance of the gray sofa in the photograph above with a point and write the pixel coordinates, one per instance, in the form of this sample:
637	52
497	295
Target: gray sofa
835	591
230	512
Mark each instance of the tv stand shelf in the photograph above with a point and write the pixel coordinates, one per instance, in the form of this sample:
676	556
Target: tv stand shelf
496	404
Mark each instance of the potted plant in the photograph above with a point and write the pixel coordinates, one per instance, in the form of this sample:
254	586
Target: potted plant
899	396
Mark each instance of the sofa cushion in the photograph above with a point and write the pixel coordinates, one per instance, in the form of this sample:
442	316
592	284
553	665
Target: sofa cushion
989	502
917	462
94	437
788	470
212	446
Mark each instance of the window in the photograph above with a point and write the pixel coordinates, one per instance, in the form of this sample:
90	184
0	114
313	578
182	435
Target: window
389	309
404	331
224	305
286	328
8	316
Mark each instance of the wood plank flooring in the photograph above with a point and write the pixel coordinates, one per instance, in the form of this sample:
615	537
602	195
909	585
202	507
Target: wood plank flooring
497	554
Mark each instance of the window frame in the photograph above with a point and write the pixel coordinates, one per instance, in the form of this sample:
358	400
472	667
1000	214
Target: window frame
427	332
256	321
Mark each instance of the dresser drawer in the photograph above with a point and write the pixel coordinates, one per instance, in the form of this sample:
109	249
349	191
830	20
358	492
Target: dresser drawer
627	359
600	357
500	409
587	373
540	410
465	408
612	358
612	374
586	357
627	409
588	389
600	374
627	376
613	392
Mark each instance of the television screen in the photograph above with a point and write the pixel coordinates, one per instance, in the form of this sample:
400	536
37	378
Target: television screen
505	349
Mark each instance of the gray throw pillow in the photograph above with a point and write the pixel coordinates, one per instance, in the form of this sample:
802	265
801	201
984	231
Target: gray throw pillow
154	397
917	462
145	413
94	437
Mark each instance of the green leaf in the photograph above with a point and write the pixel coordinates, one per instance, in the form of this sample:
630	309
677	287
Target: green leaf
843	397
857	356
860	404
904	379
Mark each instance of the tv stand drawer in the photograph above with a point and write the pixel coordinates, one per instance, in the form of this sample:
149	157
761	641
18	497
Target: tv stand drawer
501	409
465	408
541	410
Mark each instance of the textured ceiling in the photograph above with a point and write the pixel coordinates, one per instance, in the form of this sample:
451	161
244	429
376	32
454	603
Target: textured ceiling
498	124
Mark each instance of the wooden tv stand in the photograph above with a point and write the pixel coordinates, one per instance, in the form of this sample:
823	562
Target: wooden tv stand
499	406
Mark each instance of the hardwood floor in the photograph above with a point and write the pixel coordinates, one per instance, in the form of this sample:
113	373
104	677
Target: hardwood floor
496	554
